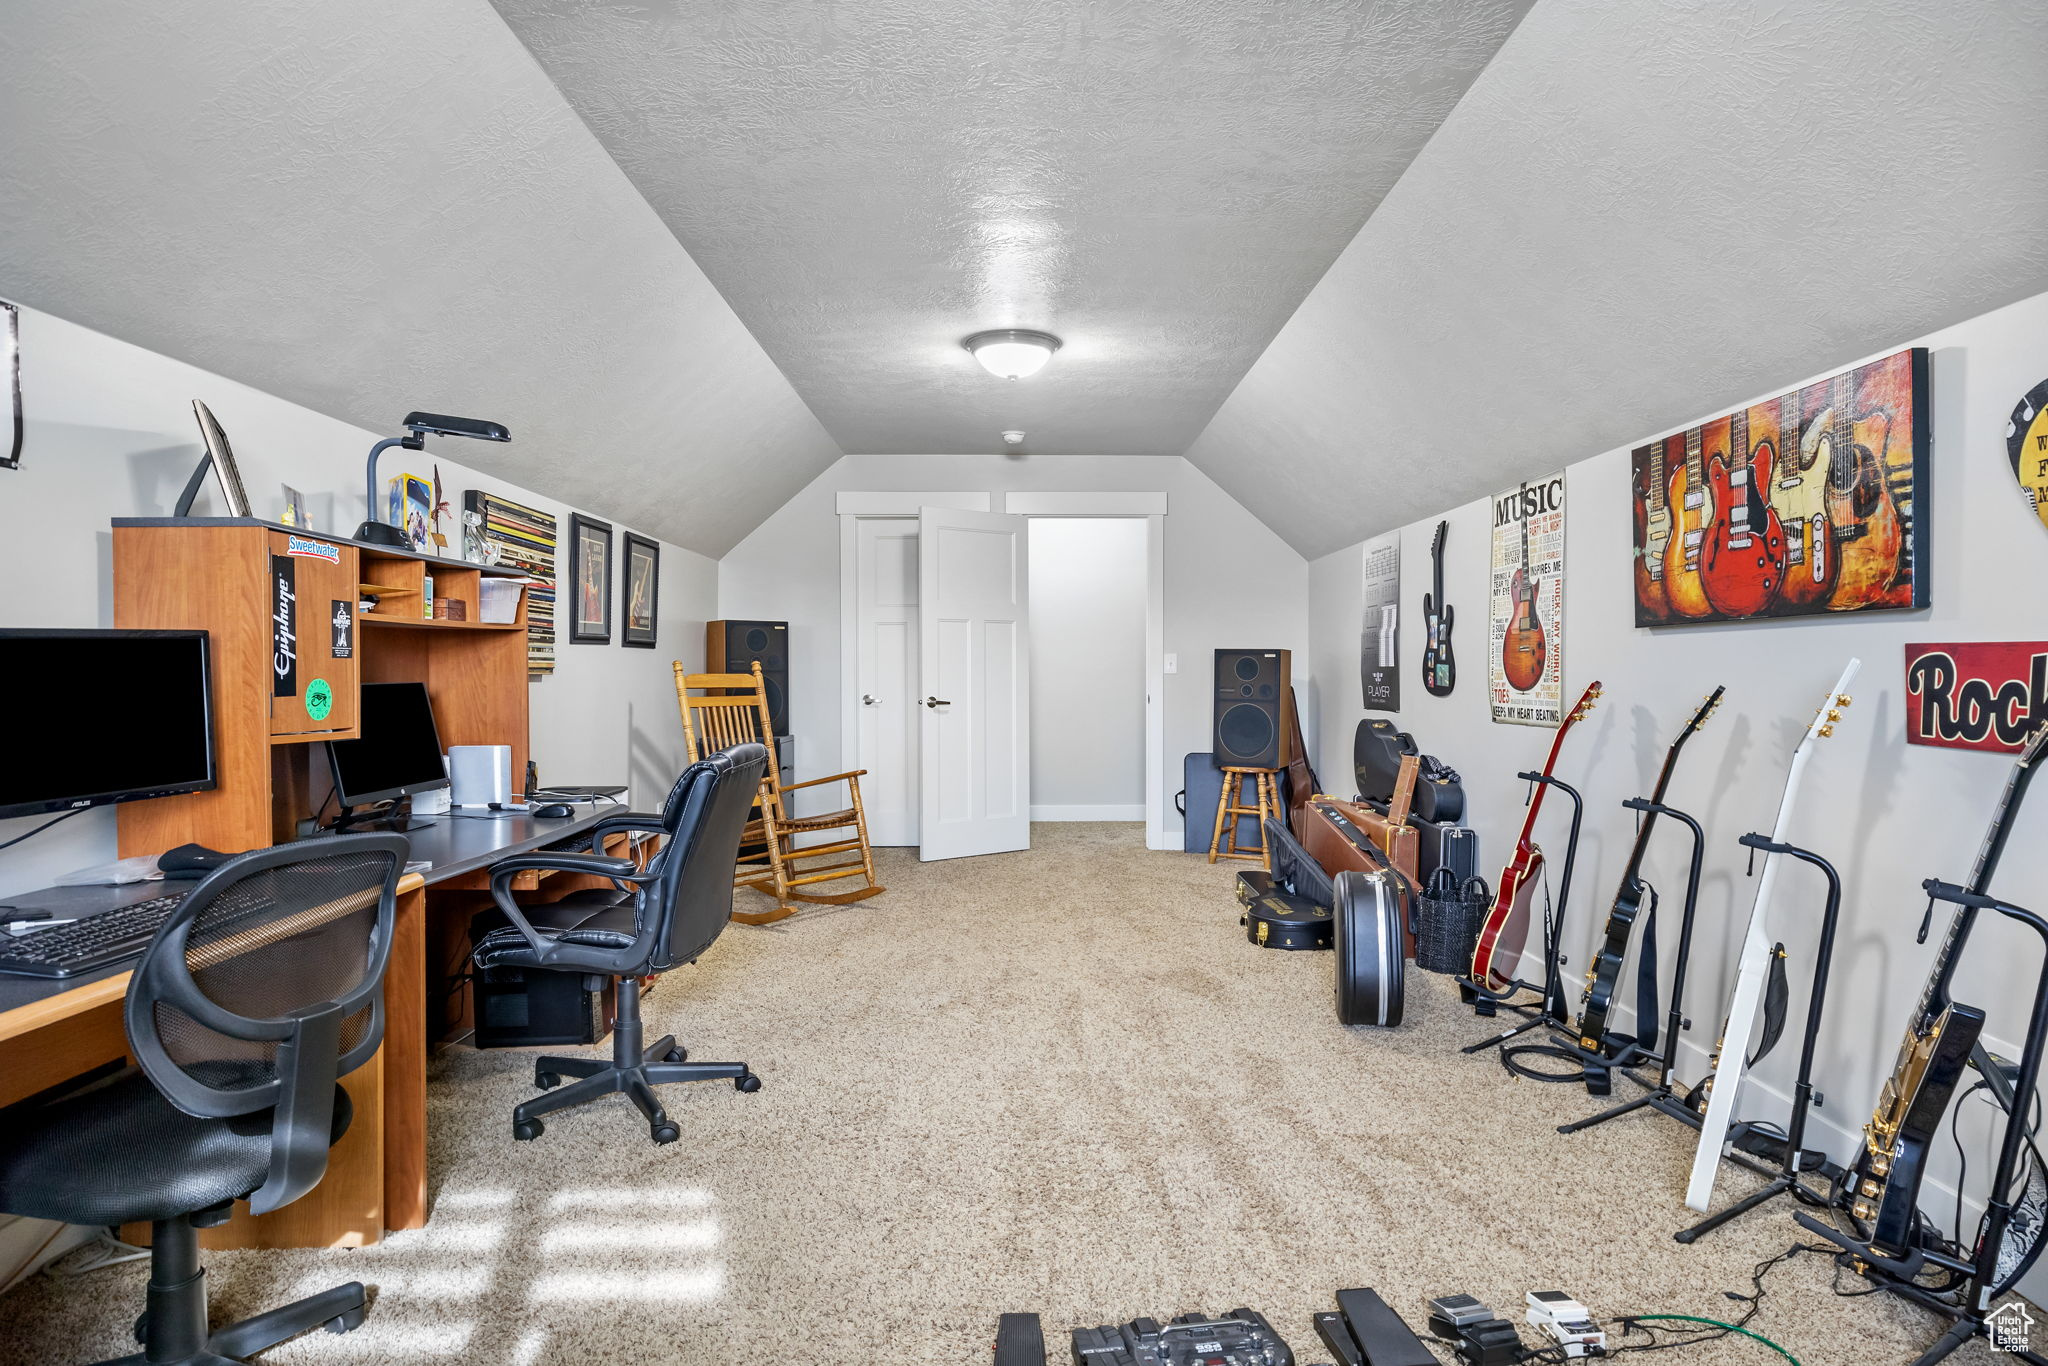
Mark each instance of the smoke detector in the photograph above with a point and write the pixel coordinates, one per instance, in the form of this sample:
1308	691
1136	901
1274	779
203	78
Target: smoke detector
1013	438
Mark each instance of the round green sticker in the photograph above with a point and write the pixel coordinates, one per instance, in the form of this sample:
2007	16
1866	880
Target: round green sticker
319	699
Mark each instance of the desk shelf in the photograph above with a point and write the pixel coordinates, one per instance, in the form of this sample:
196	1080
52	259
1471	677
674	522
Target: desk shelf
220	575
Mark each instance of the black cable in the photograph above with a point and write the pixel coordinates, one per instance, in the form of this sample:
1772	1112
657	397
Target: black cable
1508	1056
41	828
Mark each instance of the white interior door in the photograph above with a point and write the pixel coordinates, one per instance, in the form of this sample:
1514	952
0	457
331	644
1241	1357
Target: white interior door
974	662
886	675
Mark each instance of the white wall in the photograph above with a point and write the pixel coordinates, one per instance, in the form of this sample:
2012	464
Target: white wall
1226	574
109	433
1088	582
1886	813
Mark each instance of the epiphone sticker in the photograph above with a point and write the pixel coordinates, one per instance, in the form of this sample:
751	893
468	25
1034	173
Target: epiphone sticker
284	627
1988	695
1379	646
2026	445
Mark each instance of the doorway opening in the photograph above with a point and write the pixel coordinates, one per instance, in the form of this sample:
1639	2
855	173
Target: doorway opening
901	721
1088	580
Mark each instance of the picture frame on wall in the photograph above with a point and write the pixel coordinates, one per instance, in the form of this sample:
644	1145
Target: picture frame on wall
10	375
640	585
590	559
1801	505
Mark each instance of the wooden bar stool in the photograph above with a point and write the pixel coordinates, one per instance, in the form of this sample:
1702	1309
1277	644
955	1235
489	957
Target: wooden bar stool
1229	806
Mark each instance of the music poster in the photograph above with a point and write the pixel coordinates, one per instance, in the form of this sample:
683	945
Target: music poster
1525	620
1379	646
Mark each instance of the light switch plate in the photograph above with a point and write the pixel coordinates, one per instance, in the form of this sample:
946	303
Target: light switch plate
1173	664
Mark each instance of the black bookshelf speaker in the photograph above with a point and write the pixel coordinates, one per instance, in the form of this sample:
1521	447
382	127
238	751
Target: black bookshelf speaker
1251	708
731	647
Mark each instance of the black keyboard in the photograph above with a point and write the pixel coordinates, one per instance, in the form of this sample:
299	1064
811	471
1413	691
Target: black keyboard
88	944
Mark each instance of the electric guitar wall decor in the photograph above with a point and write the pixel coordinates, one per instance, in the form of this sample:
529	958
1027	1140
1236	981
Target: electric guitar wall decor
1652	532
1522	647
1631	899
1884	1179
1506	928
1439	666
1731	1056
1745	556
1691	500
1800	495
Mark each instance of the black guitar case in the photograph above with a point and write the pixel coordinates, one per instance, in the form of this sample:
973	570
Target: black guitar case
1376	751
1288	908
1367	917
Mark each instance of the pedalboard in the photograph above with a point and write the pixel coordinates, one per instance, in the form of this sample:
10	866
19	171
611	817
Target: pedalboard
1567	1323
1241	1337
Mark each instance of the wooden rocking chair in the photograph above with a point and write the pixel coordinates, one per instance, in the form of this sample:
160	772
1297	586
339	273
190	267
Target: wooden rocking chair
733	709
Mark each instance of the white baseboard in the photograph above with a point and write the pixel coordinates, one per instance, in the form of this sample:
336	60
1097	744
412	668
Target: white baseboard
1133	812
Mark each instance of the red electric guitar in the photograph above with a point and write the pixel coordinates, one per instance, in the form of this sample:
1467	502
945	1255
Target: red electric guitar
1506	927
1744	562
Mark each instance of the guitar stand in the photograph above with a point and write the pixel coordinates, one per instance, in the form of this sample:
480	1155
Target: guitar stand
1969	1315
1661	1096
1552	1011
1796	1161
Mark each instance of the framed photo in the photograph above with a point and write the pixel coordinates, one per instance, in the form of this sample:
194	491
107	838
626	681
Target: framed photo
10	383
590	555
1802	505
638	604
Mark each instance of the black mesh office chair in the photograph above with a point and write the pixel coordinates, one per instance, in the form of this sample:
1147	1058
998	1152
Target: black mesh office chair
263	988
664	916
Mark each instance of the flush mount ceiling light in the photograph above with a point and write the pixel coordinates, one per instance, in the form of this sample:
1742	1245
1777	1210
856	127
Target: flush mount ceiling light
1011	353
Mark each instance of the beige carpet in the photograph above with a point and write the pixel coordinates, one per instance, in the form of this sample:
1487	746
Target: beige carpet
1058	1081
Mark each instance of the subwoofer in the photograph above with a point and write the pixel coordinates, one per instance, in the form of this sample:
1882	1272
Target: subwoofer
731	647
1252	691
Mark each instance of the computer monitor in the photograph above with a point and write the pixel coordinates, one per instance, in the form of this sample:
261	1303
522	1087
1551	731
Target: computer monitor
104	716
399	753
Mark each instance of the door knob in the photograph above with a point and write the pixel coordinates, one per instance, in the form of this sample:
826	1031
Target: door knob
937	702
867	699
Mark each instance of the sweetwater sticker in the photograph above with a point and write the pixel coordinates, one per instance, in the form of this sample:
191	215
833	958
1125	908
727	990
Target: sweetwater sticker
319	699
319	550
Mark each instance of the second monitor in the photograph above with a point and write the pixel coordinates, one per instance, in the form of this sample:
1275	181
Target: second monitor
398	755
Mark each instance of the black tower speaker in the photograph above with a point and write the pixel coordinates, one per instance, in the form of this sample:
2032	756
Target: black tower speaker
1252	688
731	647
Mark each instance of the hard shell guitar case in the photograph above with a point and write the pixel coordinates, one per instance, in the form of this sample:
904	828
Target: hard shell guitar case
1288	908
1369	923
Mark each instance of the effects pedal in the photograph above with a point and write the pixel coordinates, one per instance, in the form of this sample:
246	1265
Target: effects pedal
1020	1341
1480	1336
1566	1322
1240	1338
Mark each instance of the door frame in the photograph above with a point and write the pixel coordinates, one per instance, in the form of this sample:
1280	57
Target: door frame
1150	505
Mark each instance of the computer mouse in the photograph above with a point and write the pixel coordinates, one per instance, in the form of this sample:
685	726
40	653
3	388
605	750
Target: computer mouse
190	858
556	810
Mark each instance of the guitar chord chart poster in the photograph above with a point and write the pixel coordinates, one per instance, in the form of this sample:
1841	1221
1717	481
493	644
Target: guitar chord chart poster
1525	620
1379	646
1797	506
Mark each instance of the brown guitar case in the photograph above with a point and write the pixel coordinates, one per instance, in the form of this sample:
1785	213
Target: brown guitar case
1335	829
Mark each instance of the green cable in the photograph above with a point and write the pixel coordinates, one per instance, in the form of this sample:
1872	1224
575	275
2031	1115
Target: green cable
1716	1323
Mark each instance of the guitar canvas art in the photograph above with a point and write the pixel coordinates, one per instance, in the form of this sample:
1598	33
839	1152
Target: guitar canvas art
1800	505
1525	657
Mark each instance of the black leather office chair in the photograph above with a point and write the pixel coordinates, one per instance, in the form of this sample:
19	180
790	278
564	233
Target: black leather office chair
664	916
264	986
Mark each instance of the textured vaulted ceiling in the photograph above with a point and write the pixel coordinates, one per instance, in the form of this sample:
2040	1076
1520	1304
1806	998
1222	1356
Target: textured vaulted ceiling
1639	213
1158	183
380	205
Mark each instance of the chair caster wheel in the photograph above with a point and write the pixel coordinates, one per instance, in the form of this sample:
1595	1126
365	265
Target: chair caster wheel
676	1054
666	1133
142	1326
347	1322
526	1130
547	1081
748	1083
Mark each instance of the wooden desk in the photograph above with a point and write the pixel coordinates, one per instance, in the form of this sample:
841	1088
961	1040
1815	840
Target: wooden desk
51	1031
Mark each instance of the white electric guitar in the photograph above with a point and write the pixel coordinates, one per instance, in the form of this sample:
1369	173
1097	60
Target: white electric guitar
1731	1058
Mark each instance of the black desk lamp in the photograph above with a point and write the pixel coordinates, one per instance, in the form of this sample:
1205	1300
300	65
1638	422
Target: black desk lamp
418	427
